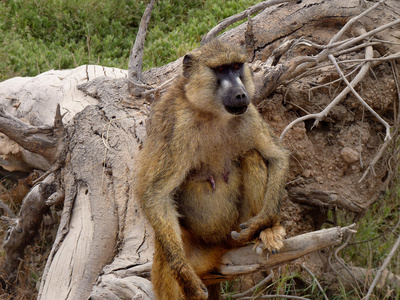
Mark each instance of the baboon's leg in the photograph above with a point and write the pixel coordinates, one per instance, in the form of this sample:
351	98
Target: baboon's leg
214	291
165	285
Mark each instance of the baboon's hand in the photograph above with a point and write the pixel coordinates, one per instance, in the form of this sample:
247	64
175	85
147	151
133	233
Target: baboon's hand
251	229
261	229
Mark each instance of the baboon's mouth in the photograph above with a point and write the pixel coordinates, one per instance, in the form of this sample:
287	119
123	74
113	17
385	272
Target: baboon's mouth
236	110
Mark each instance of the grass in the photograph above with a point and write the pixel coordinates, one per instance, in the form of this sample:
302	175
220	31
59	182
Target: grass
377	233
39	35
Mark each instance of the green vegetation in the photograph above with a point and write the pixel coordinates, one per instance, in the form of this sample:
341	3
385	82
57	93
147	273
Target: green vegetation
39	35
377	233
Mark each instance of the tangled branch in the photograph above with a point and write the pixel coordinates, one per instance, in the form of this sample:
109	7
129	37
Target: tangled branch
238	17
335	48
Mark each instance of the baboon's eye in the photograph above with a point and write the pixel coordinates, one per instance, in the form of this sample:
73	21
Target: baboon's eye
220	68
236	66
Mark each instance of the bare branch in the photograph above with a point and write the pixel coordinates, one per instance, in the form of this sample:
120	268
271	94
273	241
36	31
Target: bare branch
382	268
377	59
333	60
350	87
344	44
6	209
26	226
266	280
154	91
316	281
376	158
338	35
136	57
238	17
34	139
245	261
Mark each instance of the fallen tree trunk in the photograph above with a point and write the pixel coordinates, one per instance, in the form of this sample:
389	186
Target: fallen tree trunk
103	248
115	282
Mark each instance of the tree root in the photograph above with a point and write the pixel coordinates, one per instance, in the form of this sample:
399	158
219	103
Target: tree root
27	224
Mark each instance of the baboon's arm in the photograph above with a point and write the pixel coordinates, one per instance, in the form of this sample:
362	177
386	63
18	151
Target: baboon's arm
277	159
159	180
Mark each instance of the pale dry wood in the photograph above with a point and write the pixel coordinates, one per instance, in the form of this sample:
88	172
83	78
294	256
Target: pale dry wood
369	52
382	268
8	211
365	276
238	17
35	100
25	135
25	227
245	261
263	282
310	195
136	57
350	87
98	211
236	263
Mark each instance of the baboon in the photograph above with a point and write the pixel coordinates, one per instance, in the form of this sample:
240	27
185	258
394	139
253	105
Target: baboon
210	175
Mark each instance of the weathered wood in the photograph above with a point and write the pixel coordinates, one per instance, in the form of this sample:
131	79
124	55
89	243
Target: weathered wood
98	210
236	263
245	260
136	56
26	226
38	140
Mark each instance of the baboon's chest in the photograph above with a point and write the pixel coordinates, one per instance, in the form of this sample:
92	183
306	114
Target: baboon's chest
208	201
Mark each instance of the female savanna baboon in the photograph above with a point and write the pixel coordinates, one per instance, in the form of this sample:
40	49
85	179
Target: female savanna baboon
203	172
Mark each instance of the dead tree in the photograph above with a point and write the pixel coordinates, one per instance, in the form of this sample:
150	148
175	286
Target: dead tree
103	247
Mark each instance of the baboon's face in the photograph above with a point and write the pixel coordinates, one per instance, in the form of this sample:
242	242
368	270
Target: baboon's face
231	90
218	79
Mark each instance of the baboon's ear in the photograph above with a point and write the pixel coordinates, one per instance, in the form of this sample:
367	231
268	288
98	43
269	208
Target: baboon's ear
187	65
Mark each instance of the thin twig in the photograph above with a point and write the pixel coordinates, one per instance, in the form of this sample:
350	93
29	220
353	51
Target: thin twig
335	254
338	35
333	60
139	85
396	80
253	289
324	113
346	43
7	220
156	90
375	160
380	59
7	209
382	268
238	17
274	296
316	281
352	49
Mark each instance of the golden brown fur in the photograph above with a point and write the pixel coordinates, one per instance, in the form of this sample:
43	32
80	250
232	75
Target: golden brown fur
203	172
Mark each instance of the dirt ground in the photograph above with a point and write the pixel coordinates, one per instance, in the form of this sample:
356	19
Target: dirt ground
328	160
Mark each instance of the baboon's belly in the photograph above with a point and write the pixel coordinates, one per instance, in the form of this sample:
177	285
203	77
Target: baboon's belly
208	204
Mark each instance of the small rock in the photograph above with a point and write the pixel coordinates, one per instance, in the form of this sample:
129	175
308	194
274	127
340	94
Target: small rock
349	155
306	173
